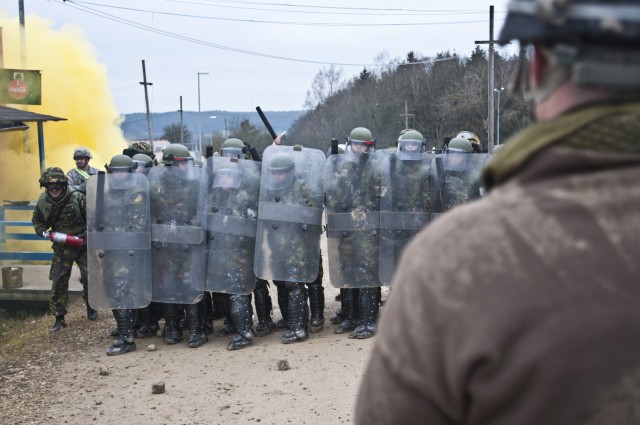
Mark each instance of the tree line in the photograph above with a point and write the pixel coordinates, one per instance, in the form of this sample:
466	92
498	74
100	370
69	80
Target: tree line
437	96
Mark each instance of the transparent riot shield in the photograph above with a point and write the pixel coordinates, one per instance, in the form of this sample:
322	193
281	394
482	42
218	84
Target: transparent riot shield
232	213
289	214
457	179
352	205
178	202
118	241
405	206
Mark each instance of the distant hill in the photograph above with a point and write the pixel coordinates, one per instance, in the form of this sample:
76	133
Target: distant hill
135	125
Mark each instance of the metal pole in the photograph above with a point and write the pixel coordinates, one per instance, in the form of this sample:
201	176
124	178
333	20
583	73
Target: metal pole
199	147
23	37
181	124
498	116
146	99
491	123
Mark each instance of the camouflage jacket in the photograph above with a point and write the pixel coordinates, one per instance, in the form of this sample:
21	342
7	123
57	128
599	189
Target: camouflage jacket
78	180
66	216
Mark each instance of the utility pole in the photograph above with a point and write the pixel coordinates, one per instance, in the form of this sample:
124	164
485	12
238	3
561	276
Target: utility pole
406	115
146	99
490	81
181	124
23	37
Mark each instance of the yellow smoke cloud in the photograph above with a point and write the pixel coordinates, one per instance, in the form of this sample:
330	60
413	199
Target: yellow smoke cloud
75	87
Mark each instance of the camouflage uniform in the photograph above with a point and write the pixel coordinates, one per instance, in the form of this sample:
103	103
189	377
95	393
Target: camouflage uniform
78	178
68	215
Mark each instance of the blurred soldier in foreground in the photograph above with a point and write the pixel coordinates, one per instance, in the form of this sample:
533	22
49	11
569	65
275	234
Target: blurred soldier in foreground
527	310
119	246
79	176
60	215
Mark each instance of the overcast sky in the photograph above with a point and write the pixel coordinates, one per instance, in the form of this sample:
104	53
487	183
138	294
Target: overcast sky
257	53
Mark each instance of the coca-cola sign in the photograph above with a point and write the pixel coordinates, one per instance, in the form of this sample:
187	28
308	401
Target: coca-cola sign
20	86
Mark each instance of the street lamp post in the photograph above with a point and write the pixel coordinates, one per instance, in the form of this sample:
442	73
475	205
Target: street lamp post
199	117
498	118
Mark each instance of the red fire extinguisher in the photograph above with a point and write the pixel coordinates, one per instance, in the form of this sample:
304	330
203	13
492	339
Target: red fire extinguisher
59	237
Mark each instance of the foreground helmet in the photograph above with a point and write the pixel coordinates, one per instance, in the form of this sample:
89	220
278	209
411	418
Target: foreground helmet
596	40
411	145
232	148
174	153
460	145
361	135
82	152
281	166
53	175
120	163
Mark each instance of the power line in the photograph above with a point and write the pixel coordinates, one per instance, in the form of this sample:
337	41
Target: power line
260	21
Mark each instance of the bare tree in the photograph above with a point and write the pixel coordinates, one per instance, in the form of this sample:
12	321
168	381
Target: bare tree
325	84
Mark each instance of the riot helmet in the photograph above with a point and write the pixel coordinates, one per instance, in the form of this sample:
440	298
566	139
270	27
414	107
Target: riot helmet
360	140
460	145
120	163
232	148
142	163
281	168
411	145
139	147
176	153
472	137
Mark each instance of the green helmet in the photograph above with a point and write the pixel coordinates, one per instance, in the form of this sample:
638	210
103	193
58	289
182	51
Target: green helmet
120	163
144	159
53	175
411	145
82	152
281	162
362	135
198	162
460	145
232	148
175	152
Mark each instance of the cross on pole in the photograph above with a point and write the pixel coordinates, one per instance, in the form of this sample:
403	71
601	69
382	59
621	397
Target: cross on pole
406	115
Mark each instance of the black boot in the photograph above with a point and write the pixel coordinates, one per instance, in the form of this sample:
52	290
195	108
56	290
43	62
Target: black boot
263	308
197	336
241	313
350	309
60	323
341	313
124	343
207	308
149	323
172	330
298	314
224	302
316	303
369	306
91	313
283	304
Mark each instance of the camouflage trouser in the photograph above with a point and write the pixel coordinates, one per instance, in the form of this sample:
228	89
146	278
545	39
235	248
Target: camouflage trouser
61	265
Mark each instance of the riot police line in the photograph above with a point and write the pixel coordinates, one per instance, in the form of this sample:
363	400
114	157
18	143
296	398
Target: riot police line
175	232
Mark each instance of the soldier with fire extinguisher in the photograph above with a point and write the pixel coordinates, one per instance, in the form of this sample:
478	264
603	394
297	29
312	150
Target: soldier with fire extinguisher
60	215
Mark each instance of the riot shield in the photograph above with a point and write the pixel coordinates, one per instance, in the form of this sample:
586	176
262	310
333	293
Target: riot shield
457	179
352	205
289	214
405	206
232	212
118	241
178	201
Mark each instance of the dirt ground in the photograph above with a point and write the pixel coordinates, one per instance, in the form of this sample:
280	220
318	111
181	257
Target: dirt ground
66	378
